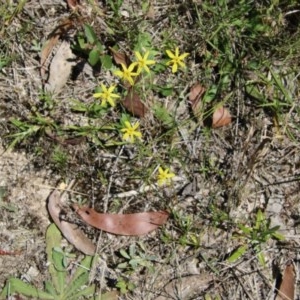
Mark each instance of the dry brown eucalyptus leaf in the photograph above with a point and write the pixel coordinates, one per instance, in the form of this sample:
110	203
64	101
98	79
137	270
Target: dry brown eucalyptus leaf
123	224
133	104
73	4
287	286
120	57
60	68
70	231
221	117
195	97
48	48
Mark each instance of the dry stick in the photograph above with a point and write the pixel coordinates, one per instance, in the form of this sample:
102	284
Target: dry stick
242	285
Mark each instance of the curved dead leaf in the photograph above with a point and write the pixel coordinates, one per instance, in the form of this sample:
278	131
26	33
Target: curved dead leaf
48	48
186	287
73	4
123	224
133	104
70	231
221	117
287	286
196	93
120	57
60	68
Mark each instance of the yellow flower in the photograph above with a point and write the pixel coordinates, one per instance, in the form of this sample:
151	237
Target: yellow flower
130	132
127	73
107	95
176	59
164	177
142	62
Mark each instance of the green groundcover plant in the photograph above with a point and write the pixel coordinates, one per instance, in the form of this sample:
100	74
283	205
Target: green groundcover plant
62	285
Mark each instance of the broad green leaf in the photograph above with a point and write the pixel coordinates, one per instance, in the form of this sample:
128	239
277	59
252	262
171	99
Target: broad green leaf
87	291
210	94
53	239
94	57
15	285
72	289
237	253
132	250
124	254
84	267
106	61
99	47
50	288
122	265
90	34
61	272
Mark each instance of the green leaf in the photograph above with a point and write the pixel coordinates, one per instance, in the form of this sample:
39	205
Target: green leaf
79	282
261	259
121	284
81	42
259	219
15	285
245	229
61	272
278	236
79	106
50	288
99	46
163	115
164	90
237	253
90	34
132	250
94	57
122	265
144	40
86	292
254	92
82	268
210	94
124	118
53	239
124	254
106	61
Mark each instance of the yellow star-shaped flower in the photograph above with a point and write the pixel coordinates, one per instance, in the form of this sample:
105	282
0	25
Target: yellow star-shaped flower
127	73
164	176
176	59
107	95
130	132
143	62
